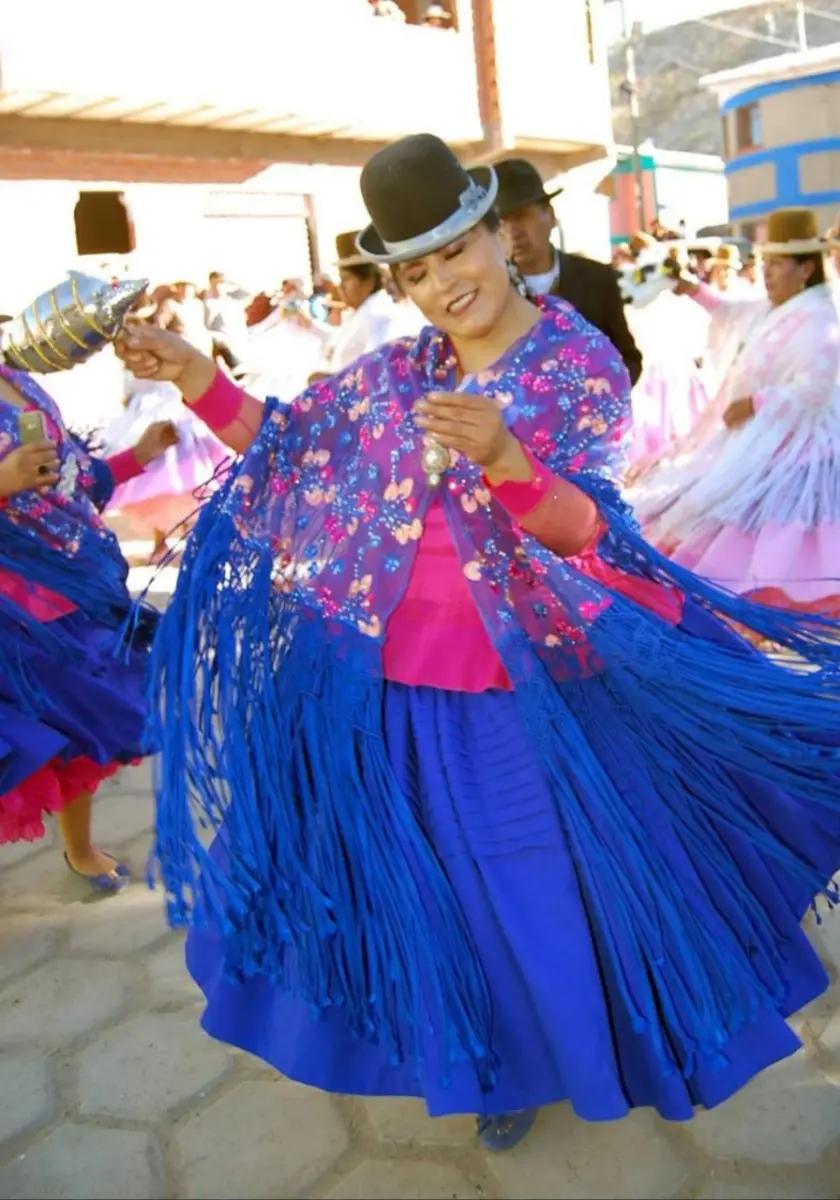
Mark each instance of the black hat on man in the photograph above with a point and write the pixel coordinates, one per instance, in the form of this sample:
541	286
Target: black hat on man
520	184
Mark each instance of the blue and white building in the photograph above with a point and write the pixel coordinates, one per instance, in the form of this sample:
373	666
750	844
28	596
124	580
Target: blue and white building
781	136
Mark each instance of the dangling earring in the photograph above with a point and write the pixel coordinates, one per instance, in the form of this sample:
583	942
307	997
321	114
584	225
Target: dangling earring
517	279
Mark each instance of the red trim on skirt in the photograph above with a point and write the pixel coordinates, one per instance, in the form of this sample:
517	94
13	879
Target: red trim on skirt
48	790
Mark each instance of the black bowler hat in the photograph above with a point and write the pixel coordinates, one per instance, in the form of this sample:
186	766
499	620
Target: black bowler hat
420	199
520	184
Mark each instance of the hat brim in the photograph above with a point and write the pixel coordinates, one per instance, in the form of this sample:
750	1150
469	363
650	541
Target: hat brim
791	249
537	197
373	249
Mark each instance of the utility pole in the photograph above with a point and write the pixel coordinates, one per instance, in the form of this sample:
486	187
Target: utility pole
801	29
630	89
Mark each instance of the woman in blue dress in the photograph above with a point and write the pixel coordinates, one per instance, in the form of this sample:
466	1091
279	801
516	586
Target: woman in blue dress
505	810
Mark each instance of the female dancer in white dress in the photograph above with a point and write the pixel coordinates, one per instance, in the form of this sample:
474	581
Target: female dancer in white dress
751	498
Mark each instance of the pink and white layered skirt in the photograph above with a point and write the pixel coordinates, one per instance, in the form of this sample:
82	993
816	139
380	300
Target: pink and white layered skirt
756	509
666	405
169	490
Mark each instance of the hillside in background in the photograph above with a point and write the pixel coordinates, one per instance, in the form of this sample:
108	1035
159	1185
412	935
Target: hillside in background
676	112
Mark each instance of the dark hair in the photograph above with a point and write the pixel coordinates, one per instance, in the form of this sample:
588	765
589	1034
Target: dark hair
818	274
394	273
365	272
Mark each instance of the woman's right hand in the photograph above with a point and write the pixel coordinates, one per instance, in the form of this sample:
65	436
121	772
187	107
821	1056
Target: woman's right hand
151	353
29	468
686	286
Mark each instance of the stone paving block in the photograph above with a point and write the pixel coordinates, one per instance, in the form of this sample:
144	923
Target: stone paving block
44	882
816	1015
750	1182
41	881
78	1162
407	1122
830	1036
170	979
132	779
826	938
61	1000
262	1140
788	1114
26	1095
128	923
120	816
143	1067
564	1158
25	940
15	852
408	1180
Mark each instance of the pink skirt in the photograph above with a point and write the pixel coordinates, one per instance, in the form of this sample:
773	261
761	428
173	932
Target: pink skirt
788	566
169	489
666	406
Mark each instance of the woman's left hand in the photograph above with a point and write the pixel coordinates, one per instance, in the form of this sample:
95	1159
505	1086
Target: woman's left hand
472	425
157	438
738	413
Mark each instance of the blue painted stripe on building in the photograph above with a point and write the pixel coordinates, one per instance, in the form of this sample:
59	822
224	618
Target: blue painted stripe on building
804	200
786	160
775	153
753	95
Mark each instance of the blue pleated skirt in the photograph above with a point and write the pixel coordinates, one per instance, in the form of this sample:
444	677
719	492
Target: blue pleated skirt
561	1029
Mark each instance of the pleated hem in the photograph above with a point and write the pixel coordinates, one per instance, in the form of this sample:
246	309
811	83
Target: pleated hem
247	1038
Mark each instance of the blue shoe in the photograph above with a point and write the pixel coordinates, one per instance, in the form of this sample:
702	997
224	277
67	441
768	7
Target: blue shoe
111	881
505	1131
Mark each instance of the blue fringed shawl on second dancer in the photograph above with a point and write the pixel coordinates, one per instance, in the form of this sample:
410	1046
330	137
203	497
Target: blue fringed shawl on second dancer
269	681
55	540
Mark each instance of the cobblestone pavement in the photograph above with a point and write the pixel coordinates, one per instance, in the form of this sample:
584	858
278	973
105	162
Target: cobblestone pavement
108	1088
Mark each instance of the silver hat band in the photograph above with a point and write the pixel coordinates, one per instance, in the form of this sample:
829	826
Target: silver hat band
473	203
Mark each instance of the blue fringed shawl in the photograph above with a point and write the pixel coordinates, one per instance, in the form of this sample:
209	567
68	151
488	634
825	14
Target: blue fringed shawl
55	540
269	684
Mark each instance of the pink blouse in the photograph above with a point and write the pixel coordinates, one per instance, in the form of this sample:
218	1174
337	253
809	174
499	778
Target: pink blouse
435	636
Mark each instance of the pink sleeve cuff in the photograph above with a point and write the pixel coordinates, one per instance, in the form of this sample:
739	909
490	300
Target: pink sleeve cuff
707	298
758	401
221	404
124	466
594	542
521	498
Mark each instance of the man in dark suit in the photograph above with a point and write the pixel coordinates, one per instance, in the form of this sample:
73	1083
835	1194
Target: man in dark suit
592	287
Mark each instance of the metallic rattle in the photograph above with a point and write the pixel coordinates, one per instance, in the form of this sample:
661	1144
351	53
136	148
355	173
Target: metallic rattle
68	324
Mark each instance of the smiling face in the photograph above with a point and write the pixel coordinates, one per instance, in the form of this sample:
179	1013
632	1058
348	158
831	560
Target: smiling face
463	289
